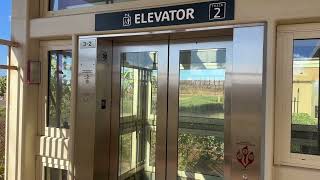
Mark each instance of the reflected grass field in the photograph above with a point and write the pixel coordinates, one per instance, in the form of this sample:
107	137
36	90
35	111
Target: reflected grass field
208	106
187	100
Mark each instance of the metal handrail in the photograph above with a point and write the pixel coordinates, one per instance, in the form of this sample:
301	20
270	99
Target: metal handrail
8	43
8	67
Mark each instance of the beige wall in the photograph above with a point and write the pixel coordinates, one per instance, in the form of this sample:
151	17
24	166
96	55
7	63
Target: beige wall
22	120
308	75
292	173
246	11
306	97
274	12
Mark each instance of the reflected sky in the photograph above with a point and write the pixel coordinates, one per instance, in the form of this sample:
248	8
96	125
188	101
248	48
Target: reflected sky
306	49
216	74
5	29
3	58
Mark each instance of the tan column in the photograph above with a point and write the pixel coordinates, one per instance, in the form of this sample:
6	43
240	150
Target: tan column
22	122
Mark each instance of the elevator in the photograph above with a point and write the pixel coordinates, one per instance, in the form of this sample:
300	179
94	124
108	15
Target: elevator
184	105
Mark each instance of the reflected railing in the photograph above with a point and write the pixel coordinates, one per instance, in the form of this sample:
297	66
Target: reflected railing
138	115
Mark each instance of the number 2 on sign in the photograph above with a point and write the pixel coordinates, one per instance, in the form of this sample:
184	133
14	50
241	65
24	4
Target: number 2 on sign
217	11
217	15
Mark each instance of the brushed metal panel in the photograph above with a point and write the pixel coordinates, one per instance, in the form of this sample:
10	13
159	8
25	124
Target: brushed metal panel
247	114
227	114
162	97
86	109
103	109
115	115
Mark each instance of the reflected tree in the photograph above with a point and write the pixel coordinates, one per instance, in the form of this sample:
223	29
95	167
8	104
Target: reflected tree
201	154
59	89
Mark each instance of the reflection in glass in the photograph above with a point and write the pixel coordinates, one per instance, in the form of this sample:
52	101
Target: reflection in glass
55	5
305	134
201	114
59	90
138	108
55	174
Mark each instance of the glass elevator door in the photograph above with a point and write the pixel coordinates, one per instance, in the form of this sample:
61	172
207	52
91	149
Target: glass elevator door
141	71
198	75
169	112
185	105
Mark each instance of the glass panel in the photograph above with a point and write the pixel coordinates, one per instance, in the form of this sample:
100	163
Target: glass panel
201	114
126	155
55	174
305	131
55	5
59	90
138	108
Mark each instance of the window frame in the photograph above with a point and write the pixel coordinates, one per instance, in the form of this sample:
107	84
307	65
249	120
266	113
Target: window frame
286	35
44	8
121	6
45	48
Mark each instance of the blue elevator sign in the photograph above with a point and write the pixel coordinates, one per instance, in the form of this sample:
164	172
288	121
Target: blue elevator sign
217	10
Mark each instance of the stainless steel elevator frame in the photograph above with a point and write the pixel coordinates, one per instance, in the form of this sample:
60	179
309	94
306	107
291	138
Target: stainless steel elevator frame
96	133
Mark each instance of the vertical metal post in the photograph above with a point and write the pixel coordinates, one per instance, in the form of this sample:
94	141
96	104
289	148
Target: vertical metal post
86	110
74	85
103	111
247	106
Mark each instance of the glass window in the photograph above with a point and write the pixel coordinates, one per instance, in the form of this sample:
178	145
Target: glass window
201	114
55	5
305	131
138	109
55	174
59	89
